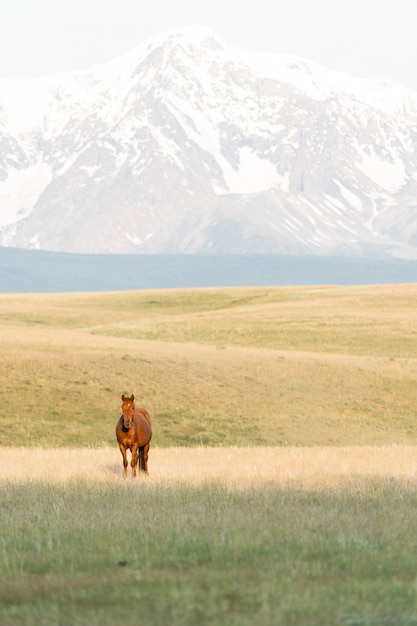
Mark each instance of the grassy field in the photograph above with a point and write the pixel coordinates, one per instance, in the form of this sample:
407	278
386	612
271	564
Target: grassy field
279	366
293	536
283	466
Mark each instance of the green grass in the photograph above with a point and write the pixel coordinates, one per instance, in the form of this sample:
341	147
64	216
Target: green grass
109	554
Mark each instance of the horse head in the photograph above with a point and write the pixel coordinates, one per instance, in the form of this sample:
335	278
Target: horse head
128	410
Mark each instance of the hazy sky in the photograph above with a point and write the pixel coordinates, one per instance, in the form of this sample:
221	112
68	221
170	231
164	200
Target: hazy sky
365	38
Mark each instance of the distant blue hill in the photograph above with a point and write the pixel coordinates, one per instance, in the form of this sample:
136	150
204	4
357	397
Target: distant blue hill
38	271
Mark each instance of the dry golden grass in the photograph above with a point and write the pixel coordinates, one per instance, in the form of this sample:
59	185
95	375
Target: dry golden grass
266	366
318	468
284	454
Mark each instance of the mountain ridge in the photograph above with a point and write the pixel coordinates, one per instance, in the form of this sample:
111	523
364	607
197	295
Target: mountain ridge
186	146
38	271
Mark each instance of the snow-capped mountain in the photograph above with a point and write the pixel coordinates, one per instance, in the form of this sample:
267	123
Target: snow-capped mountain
188	146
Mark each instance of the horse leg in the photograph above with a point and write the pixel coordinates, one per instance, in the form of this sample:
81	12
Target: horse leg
135	459
125	462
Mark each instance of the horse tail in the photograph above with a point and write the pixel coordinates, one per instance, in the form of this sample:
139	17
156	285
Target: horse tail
141	459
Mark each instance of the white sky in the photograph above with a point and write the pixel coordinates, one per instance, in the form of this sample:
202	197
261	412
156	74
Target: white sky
364	38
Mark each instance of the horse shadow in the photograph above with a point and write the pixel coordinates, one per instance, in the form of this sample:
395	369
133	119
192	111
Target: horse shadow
113	469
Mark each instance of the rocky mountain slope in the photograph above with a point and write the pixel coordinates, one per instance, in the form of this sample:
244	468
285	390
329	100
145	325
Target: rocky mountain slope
188	146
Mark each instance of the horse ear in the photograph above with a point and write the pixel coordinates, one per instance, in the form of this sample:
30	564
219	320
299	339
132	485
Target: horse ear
123	397
132	397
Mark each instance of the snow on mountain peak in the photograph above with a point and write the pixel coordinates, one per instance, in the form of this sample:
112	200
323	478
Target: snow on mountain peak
321	83
189	145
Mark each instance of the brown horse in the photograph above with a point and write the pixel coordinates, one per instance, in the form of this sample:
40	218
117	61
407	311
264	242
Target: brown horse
134	432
